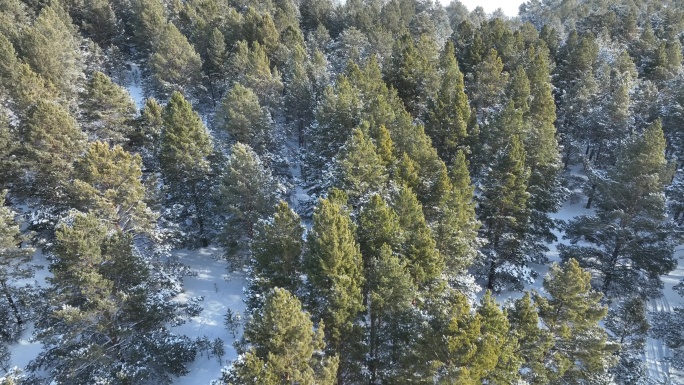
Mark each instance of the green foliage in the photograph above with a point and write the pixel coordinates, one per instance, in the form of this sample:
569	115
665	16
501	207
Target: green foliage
107	181
334	267
51	142
277	251
242	117
247	193
629	240
571	313
108	110
361	170
175	64
283	347
449	110
50	48
504	214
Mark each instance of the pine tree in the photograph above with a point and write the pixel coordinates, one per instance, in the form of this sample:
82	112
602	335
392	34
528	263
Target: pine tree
9	64
413	72
105	303
630	244
184	150
146	139
277	251
449	110
215	63
241	116
50	48
534	341
107	181
150	22
247	194
456	228
504	214
251	67
487	85
175	65
108	110
629	326
283	348
543	156
392	318
334	267
425	262
51	142
360	169
14	266
571	313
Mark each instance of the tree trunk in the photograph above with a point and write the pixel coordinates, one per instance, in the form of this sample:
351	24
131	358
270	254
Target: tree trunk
490	276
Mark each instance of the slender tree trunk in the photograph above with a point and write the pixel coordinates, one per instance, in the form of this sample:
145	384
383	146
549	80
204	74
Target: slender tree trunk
491	276
608	279
591	196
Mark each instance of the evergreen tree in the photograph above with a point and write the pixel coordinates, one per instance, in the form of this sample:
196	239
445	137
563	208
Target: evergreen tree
571	313
241	116
360	168
247	194
108	110
628	324
51	141
183	155
449	110
629	242
9	64
107	181
456	228
504	214
146	139
215	63
534	341
284	347
543	156
107	312
425	262
334	268
487	85
277	251
150	22
251	67
175	65
50	48
392	318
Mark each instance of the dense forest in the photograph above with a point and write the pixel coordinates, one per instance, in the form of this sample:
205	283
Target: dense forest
384	176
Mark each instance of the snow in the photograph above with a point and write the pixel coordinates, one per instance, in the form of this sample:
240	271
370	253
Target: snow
134	85
221	290
657	352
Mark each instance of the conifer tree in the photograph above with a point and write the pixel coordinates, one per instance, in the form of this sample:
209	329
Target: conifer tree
146	139
425	262
283	347
183	155
629	242
175	65
334	267
215	63
50	48
14	266
543	156
277	251
107	312
571	313
449	110
107	181
533	340
51	142
360	168
413	72
251	67
487	84
150	22
504	214
241	116
392	318
247	194
497	360
9	64
456	228
108	110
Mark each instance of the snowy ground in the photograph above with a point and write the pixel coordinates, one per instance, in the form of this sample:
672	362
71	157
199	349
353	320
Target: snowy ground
221	290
